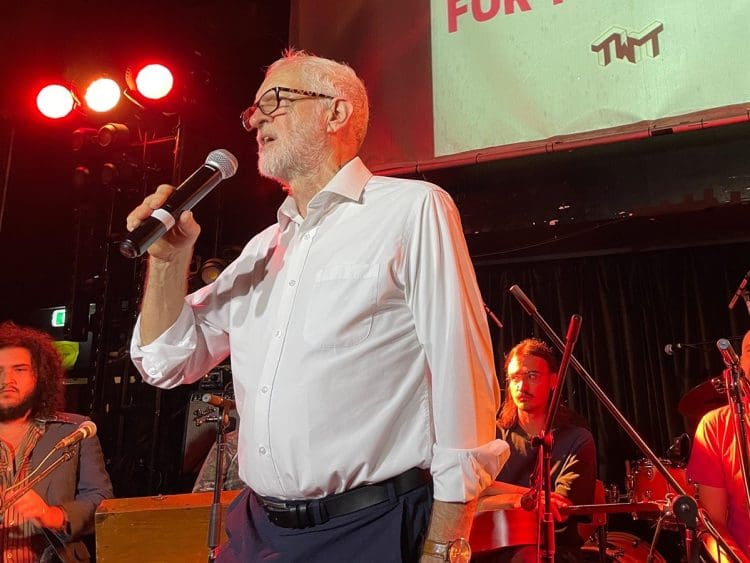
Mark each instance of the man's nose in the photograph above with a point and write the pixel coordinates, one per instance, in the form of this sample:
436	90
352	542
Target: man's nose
256	118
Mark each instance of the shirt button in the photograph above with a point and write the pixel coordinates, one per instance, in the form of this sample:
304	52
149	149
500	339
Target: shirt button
262	450
292	283
264	389
277	333
306	236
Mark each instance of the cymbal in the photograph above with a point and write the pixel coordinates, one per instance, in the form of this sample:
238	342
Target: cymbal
610	508
700	399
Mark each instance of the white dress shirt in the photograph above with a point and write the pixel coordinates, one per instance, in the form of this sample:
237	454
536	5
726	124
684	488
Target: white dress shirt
359	344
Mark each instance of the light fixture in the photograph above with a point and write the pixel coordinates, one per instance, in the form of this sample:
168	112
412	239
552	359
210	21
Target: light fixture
113	134
102	94
55	101
154	81
81	176
83	136
211	268
110	173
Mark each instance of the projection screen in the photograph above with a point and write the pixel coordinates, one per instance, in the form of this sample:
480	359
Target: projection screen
458	81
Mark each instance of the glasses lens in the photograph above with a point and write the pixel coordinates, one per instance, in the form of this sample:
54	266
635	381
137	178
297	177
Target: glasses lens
269	101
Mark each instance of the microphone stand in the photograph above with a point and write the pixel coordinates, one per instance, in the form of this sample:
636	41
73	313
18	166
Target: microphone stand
223	423
733	380
687	505
7	502
546	441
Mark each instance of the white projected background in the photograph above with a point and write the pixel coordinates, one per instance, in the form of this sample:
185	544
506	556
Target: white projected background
517	71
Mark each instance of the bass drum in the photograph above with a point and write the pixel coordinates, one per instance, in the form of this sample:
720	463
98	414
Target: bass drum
621	546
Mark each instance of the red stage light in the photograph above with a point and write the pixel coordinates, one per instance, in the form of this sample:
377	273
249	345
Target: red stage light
102	94
154	81
55	101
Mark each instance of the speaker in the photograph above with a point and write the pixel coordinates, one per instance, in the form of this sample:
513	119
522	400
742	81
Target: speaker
200	430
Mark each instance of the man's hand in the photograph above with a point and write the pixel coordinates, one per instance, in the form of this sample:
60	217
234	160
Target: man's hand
32	508
177	240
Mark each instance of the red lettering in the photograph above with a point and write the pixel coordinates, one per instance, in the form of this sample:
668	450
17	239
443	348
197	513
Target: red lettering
522	4
455	10
481	15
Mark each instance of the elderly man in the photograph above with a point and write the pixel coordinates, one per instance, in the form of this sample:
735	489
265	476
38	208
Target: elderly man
53	516
361	357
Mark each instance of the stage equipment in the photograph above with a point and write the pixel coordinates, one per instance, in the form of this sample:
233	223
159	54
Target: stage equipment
220	165
737	389
741	292
682	505
83	137
55	101
199	430
154	81
113	135
210	270
102	95
159	529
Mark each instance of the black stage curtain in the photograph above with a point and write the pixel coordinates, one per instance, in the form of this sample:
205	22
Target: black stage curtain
632	306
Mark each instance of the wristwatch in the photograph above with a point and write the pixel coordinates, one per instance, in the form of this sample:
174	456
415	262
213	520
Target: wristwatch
454	551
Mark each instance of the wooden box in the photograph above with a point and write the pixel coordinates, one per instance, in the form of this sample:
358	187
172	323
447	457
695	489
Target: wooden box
158	529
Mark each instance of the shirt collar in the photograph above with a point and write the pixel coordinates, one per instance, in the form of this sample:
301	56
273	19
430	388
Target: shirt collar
349	183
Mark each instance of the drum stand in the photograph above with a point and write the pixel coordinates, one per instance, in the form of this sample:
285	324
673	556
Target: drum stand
683	505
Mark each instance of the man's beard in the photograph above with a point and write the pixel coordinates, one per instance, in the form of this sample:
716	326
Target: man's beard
9	414
300	154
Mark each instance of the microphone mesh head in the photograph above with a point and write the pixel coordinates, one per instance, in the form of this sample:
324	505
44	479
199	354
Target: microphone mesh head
224	161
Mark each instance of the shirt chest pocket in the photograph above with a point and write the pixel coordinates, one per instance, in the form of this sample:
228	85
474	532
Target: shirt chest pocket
341	305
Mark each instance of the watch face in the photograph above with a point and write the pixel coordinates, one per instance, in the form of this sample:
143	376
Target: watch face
459	551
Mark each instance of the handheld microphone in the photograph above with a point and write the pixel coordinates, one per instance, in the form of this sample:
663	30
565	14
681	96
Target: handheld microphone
86	429
740	290
217	401
220	165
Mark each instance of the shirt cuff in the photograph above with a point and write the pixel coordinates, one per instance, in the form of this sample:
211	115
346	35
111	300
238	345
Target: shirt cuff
461	475
175	345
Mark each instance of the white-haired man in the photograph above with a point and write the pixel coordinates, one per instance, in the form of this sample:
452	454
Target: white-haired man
361	358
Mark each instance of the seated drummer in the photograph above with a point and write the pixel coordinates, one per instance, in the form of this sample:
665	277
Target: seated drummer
531	369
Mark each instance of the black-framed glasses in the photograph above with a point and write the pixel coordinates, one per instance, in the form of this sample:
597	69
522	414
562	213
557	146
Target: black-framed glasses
270	100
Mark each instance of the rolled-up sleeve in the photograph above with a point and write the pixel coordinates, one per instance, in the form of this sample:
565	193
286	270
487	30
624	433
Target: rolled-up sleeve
450	321
184	352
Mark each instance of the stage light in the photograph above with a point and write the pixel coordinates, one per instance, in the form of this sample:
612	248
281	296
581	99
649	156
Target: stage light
154	81
102	94
82	136
110	173
211	269
55	101
113	134
81	176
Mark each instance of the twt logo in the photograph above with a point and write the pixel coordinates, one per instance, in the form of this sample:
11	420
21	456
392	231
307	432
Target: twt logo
628	46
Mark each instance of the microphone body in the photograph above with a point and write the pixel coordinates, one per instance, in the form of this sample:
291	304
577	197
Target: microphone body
731	360
739	292
220	165
216	401
86	429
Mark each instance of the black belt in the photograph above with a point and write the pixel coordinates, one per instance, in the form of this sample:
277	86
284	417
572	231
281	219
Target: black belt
306	513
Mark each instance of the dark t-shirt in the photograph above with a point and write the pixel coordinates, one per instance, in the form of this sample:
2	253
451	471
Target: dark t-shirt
573	467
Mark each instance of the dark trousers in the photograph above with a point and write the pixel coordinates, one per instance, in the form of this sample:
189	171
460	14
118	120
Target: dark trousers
390	532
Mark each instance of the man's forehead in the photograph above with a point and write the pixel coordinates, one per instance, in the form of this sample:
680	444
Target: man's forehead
287	77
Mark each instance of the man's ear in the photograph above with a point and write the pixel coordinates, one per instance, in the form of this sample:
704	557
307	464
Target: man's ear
339	114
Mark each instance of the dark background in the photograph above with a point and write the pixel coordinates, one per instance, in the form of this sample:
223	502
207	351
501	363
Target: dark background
645	239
